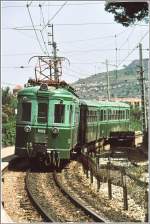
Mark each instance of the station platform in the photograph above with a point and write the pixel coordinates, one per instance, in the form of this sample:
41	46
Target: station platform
7	154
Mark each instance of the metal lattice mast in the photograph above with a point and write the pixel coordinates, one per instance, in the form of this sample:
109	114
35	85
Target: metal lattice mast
142	80
56	61
108	81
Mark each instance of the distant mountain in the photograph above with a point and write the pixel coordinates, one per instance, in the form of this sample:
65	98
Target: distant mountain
123	83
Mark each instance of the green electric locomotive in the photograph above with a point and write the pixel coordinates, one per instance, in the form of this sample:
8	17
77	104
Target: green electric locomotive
47	122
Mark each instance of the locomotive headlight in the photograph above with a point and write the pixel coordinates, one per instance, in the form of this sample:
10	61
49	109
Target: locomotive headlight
55	131
44	87
27	128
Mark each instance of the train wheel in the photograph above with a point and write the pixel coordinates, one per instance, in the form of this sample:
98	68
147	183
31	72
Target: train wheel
57	163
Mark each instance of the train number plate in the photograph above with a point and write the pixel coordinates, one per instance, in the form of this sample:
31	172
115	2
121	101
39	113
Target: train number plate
41	131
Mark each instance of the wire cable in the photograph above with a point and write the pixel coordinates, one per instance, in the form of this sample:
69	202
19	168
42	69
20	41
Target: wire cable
55	5
41	31
72	24
35	29
133	48
128	37
55	14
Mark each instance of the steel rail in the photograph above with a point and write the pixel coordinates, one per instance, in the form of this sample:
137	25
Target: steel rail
78	202
34	200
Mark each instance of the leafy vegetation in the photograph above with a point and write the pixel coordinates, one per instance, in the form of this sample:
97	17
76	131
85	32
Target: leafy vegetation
123	84
9	104
127	13
136	122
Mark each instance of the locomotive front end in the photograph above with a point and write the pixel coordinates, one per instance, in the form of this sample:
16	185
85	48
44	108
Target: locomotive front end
47	124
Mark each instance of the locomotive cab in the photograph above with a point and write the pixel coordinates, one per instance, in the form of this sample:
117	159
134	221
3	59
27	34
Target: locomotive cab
47	124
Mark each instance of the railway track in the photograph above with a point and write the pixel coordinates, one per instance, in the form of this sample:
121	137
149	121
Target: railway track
39	196
15	199
58	204
78	202
48	217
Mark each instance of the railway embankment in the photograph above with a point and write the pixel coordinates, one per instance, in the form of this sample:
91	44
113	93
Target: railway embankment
6	154
112	208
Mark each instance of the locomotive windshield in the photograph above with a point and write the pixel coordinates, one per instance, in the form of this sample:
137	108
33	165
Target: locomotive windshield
59	113
26	111
42	112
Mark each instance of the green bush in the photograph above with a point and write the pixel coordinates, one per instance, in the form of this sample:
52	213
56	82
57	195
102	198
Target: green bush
9	104
8	133
136	121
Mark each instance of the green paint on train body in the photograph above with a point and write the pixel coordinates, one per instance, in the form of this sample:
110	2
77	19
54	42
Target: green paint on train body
60	121
102	118
44	120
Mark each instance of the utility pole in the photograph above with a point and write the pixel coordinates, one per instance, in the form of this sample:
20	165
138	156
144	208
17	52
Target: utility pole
108	86
142	80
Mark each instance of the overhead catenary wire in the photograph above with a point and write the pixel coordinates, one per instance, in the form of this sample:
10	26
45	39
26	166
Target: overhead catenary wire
129	35
16	67
49	21
8	84
35	29
29	3
41	31
55	5
71	24
107	49
124	59
93	50
94	38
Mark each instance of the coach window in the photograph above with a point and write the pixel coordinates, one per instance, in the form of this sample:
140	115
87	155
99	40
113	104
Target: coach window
59	116
104	115
109	114
112	114
26	111
42	112
120	114
76	117
117	112
70	114
101	115
127	114
124	115
93	115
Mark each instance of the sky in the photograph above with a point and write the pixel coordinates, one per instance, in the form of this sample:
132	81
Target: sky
85	34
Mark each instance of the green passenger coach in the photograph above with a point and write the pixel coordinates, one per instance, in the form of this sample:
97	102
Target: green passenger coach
99	119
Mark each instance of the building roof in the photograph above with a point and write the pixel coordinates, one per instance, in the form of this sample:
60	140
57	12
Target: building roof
18	87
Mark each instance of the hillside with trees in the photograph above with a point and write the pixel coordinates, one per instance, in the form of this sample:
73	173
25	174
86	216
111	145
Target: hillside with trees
123	83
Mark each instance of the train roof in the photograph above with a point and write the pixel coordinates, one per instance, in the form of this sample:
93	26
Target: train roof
104	103
51	91
65	93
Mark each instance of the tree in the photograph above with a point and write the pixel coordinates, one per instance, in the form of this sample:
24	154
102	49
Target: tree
127	13
9	103
6	96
